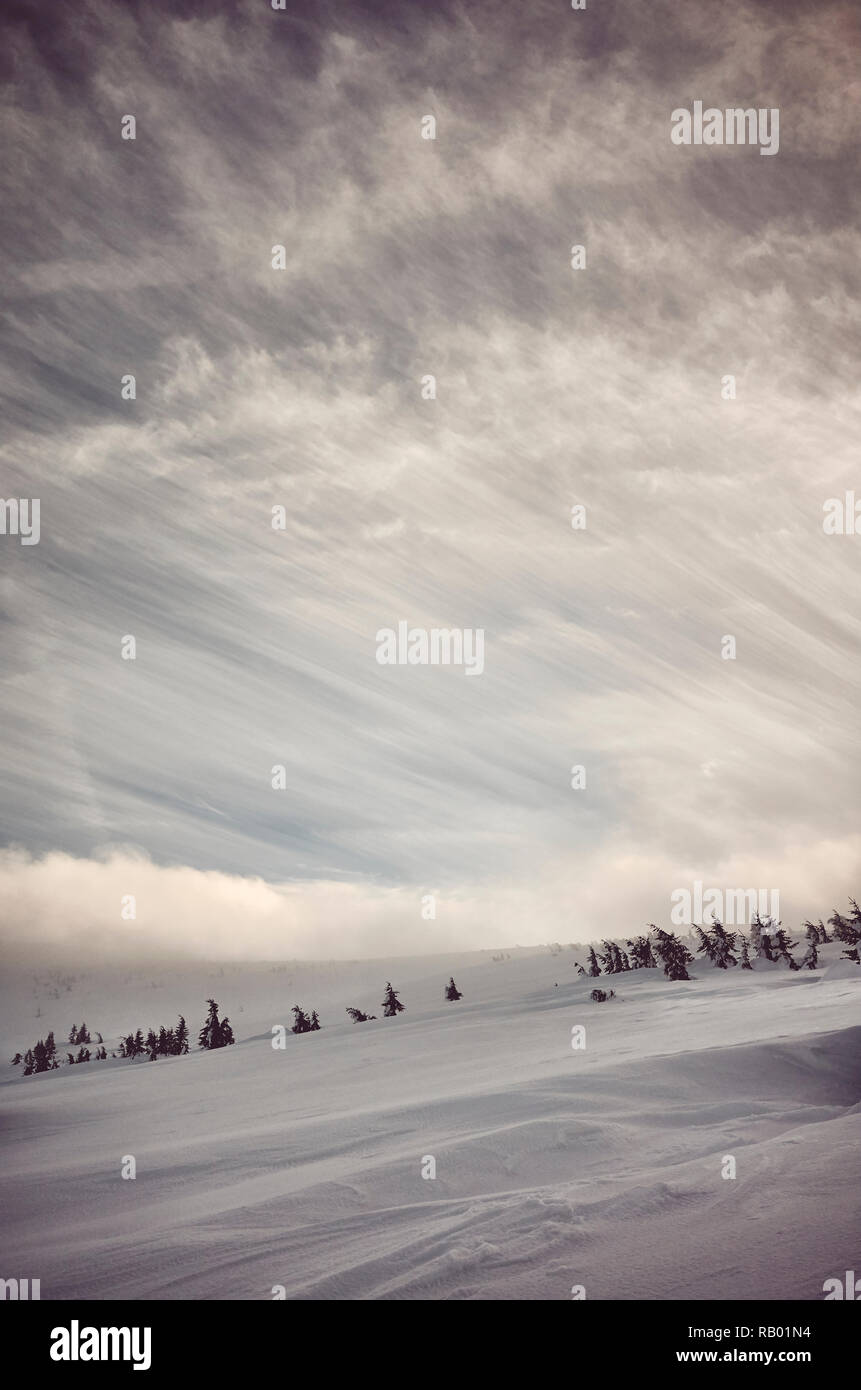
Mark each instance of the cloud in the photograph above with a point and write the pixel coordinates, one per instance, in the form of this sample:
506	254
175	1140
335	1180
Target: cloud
69	911
301	389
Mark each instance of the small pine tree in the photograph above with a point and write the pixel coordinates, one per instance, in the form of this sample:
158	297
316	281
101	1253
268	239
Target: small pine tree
610	957
760	937
847	929
302	1023
641	952
810	959
783	946
181	1037
451	991
227	1038
16	1060
314	1026
73	1034
211	1034
673	954
391	1003
594	967
745	955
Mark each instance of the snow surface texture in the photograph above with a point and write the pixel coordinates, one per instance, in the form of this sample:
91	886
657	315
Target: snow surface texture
555	1167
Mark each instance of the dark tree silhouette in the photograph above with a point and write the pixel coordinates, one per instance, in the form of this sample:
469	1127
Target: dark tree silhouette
391	1003
641	952
302	1023
212	1033
673	954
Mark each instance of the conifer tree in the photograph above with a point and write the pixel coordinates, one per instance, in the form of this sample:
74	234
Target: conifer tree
391	1003
358	1017
451	991
610	957
723	943
673	954
16	1060
641	952
594	967
810	959
760	937
314	1026
847	929
181	1036
783	947
745	956
302	1023
227	1039
211	1035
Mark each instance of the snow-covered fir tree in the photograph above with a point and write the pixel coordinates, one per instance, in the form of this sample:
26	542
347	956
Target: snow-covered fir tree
391	1003
673	954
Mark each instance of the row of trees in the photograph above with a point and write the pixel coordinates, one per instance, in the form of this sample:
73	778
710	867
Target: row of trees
43	1055
768	941
303	1023
82	1035
173	1042
167	1042
392	1005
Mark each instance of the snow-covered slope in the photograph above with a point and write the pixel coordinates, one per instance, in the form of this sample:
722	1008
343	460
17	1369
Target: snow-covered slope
555	1166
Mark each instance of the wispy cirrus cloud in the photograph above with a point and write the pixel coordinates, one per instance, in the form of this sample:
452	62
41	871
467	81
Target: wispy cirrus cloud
301	388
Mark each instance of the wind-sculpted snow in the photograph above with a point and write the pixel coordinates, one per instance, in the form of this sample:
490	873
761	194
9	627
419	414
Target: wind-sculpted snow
601	1167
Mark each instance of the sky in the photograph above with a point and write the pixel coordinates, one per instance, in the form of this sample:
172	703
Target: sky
257	388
